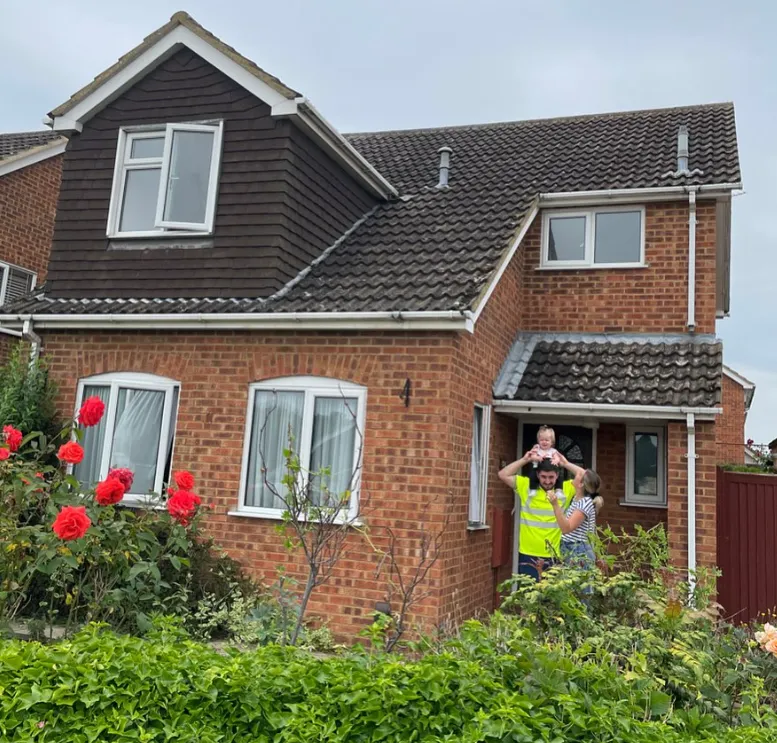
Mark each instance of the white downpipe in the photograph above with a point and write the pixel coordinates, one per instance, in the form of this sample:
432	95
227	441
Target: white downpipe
692	259
691	425
14	333
34	340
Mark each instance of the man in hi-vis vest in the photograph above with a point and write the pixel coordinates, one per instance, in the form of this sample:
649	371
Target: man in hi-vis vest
539	539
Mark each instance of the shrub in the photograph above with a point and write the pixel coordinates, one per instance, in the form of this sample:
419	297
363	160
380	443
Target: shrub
495	682
653	630
27	394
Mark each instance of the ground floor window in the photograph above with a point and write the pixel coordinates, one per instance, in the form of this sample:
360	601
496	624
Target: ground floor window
136	431
645	466
319	420
478	486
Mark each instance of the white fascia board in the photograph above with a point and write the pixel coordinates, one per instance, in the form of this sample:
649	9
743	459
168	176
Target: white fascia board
302	112
738	378
153	56
637	412
330	321
30	157
630	195
527	223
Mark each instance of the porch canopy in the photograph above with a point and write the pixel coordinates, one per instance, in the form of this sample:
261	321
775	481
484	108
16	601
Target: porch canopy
615	375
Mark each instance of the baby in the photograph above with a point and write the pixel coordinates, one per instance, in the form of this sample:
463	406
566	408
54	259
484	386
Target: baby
546	438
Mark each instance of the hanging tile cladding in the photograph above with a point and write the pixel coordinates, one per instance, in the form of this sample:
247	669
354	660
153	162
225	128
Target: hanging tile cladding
281	200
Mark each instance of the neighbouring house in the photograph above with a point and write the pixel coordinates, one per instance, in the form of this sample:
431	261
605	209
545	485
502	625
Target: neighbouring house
226	264
737	397
30	167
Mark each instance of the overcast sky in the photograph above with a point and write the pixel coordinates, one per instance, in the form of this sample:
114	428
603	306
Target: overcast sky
371	65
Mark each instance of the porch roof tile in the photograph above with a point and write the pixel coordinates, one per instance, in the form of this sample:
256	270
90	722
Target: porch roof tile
615	369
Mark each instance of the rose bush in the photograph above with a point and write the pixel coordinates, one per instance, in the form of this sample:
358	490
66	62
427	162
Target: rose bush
69	554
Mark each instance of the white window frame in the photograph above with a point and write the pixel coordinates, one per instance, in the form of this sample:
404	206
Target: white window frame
123	164
6	269
476	517
630	498
313	387
590	237
134	380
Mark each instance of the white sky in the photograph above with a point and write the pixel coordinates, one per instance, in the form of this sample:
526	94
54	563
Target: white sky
371	65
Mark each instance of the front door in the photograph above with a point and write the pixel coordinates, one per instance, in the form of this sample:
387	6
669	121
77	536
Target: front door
574	442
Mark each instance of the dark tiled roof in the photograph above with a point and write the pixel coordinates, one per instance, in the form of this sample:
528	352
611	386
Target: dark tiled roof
437	249
681	370
17	142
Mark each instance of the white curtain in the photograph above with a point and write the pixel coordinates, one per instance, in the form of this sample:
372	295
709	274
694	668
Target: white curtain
334	437
137	434
276	414
476	474
87	472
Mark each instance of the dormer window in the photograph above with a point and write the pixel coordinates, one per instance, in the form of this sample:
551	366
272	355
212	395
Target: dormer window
165	181
594	238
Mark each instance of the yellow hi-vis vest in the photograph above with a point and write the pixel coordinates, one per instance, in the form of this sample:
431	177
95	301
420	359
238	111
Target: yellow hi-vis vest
540	534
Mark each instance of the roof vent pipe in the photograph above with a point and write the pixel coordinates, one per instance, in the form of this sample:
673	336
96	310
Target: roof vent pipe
445	162
682	149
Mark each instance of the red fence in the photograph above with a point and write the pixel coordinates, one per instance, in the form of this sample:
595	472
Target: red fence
747	544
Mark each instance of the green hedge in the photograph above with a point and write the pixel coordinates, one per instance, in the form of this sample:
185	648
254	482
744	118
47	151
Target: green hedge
490	685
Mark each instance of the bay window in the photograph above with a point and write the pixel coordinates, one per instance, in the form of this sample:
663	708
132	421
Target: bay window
322	422
135	432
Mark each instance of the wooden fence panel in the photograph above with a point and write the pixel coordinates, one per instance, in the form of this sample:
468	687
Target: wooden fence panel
747	544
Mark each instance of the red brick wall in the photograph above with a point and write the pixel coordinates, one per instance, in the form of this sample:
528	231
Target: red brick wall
611	467
28	203
635	300
730	426
469	578
407	455
677	483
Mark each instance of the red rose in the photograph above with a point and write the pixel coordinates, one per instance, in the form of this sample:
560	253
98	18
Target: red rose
13	437
91	412
109	491
123	475
182	506
184	480
71	523
4	454
72	453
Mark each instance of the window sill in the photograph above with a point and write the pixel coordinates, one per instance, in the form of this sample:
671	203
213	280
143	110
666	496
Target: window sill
598	267
160	235
477	527
631	504
268	515
139	502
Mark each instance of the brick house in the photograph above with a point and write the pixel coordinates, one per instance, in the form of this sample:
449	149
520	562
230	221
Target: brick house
30	166
219	244
736	397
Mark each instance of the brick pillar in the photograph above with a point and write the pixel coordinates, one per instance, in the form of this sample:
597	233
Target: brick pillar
677	493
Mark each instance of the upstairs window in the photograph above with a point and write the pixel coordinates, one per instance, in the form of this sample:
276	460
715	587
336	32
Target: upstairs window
166	180
15	282
594	238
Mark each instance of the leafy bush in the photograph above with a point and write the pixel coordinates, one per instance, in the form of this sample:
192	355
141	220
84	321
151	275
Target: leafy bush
655	631
27	394
495	682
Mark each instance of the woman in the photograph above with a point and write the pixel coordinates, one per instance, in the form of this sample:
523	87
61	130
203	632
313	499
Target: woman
579	522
